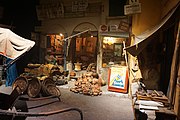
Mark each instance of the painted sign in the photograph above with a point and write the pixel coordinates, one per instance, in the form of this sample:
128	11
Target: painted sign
103	28
118	79
132	9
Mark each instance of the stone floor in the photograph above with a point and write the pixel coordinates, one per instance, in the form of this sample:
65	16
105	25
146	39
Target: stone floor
108	106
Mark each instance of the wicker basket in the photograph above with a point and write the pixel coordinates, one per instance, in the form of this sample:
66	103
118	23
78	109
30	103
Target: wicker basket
22	83
44	83
53	90
34	87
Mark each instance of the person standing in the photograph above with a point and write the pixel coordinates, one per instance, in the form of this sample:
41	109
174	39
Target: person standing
11	72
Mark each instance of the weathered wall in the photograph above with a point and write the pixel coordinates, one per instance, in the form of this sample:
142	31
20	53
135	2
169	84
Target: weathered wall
66	19
68	25
152	13
149	16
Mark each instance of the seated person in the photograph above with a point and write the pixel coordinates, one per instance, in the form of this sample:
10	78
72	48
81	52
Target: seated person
50	59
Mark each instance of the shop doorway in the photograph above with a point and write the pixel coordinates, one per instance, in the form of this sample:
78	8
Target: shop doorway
55	47
84	49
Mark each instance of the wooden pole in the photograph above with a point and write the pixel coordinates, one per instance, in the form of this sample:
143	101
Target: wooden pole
174	68
177	96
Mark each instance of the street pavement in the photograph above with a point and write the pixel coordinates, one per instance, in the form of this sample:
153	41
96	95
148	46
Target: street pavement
108	106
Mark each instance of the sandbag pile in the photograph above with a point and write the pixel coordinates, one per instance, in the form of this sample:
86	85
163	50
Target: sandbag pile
88	84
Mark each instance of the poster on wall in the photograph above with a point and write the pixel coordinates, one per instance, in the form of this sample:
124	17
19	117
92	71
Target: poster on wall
91	44
78	44
118	79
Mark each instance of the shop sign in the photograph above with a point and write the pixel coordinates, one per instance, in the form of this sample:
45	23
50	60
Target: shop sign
79	6
48	11
132	9
113	28
103	28
118	79
124	26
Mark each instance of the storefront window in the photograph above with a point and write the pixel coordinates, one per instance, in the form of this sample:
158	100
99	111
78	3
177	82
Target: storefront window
113	53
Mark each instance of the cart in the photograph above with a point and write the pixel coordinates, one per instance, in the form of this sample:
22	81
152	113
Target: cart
14	107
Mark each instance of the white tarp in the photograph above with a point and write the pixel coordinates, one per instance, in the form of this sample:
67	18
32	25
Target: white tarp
12	45
141	41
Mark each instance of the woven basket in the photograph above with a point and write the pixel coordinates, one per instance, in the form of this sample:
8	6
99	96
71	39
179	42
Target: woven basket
22	83
53	90
34	87
44	83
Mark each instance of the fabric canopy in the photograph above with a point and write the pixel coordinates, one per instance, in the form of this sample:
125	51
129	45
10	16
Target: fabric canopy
142	40
12	45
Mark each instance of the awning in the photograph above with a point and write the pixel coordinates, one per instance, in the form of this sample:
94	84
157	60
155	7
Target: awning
142	40
12	45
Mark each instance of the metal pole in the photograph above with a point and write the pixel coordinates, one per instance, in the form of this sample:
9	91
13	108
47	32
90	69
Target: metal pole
68	44
65	47
76	35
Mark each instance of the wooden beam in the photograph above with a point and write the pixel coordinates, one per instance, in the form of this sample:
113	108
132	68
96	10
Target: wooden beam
174	68
177	96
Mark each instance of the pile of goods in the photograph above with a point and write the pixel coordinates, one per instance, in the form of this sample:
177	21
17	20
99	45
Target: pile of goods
60	79
91	67
153	95
59	76
88	84
42	69
56	72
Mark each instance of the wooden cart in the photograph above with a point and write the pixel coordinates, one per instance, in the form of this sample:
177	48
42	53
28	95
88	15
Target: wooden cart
9	110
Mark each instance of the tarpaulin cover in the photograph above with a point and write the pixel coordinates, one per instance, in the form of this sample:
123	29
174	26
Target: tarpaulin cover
142	40
12	45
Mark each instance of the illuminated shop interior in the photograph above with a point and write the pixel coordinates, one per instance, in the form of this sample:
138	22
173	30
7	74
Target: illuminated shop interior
55	45
112	52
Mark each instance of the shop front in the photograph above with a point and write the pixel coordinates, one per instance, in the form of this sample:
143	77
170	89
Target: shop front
112	59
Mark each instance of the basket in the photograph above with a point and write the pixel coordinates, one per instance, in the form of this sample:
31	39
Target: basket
53	90
22	83
44	83
34	87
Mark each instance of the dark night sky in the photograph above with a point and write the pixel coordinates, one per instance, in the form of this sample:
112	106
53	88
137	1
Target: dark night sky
21	14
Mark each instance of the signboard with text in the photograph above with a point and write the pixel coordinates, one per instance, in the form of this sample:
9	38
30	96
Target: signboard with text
132	9
118	79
